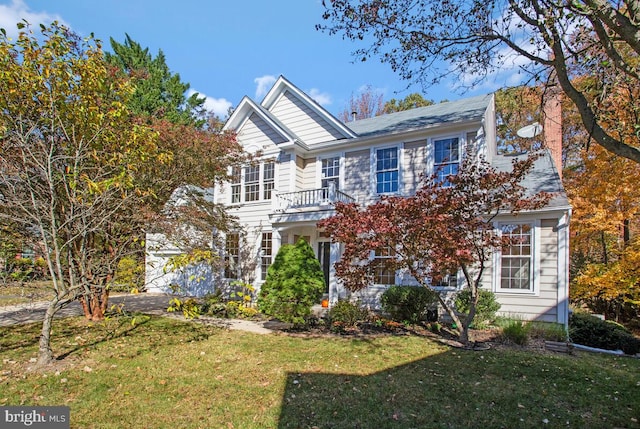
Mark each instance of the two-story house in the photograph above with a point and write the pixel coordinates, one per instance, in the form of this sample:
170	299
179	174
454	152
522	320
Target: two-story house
308	160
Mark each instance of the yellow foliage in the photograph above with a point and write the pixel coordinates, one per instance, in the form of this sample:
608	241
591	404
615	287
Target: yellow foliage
619	280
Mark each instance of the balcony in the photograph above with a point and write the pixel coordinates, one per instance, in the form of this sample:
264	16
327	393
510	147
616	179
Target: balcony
311	199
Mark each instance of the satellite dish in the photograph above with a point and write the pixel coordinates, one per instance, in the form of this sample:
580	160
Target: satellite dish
529	131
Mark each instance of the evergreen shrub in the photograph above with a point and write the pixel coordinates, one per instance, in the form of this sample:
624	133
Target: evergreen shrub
295	281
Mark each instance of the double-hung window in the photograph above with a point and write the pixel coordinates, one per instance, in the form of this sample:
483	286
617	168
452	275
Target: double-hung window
448	280
387	170
516	258
266	253
268	179
252	183
232	254
383	274
330	170
236	184
447	158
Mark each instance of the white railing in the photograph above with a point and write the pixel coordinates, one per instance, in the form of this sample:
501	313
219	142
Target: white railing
311	198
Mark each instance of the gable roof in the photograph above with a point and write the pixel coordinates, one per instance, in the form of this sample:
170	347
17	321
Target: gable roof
450	112
246	108
282	87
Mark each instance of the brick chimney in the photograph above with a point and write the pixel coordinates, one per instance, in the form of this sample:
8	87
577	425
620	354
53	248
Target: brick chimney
552	113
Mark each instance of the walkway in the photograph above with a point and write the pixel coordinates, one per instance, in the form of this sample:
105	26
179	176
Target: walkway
147	303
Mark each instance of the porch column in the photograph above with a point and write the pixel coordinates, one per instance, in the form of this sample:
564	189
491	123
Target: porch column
276	241
336	289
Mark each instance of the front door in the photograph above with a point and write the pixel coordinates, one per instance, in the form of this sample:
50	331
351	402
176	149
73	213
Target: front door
324	256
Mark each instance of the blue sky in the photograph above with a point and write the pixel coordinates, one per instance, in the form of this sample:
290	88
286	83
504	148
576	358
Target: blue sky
228	49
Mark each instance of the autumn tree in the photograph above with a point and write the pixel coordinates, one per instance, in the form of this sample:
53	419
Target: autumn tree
195	156
366	104
69	154
605	224
426	41
439	230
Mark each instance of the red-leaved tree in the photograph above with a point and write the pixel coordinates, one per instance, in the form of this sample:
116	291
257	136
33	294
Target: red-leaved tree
444	227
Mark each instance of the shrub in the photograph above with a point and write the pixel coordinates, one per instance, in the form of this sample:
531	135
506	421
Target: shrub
347	313
547	331
294	283
516	331
591	331
407	303
486	308
129	275
189	307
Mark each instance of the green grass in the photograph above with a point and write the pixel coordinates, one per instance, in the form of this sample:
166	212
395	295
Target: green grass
160	373
24	293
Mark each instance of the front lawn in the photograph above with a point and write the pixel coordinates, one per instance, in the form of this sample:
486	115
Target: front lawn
159	372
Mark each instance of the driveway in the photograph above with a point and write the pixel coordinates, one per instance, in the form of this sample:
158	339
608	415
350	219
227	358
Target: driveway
147	303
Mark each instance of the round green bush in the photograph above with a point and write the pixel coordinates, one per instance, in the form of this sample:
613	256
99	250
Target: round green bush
591	331
347	313
294	283
486	308
408	303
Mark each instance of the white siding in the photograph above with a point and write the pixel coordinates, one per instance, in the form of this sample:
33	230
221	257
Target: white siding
196	280
416	158
284	171
305	123
542	306
357	177
309	174
300	163
256	131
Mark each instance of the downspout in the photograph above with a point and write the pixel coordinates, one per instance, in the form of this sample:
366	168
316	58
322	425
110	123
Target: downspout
563	269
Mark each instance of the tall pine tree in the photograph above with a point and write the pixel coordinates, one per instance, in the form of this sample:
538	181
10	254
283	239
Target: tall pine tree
159	92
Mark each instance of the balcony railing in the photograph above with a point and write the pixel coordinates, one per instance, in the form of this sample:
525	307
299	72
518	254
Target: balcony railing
311	198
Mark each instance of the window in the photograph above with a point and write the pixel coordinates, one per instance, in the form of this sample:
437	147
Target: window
252	183
516	258
383	274
232	253
330	171
258	182
387	170
266	252
447	157
268	179
236	184
449	280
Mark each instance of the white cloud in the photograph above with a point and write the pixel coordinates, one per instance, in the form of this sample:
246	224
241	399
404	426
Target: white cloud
263	85
18	10
322	98
219	106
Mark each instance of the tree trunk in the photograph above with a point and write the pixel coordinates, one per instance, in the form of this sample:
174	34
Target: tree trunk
94	304
45	353
626	232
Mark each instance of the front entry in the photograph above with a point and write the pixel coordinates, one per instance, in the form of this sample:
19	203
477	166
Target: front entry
324	256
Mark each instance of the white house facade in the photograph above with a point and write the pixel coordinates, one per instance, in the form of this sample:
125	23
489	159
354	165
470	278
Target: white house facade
306	160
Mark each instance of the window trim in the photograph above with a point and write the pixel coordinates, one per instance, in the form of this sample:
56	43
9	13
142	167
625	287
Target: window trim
534	259
261	192
340	176
228	255
374	168
264	267
434	165
375	258
441	288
